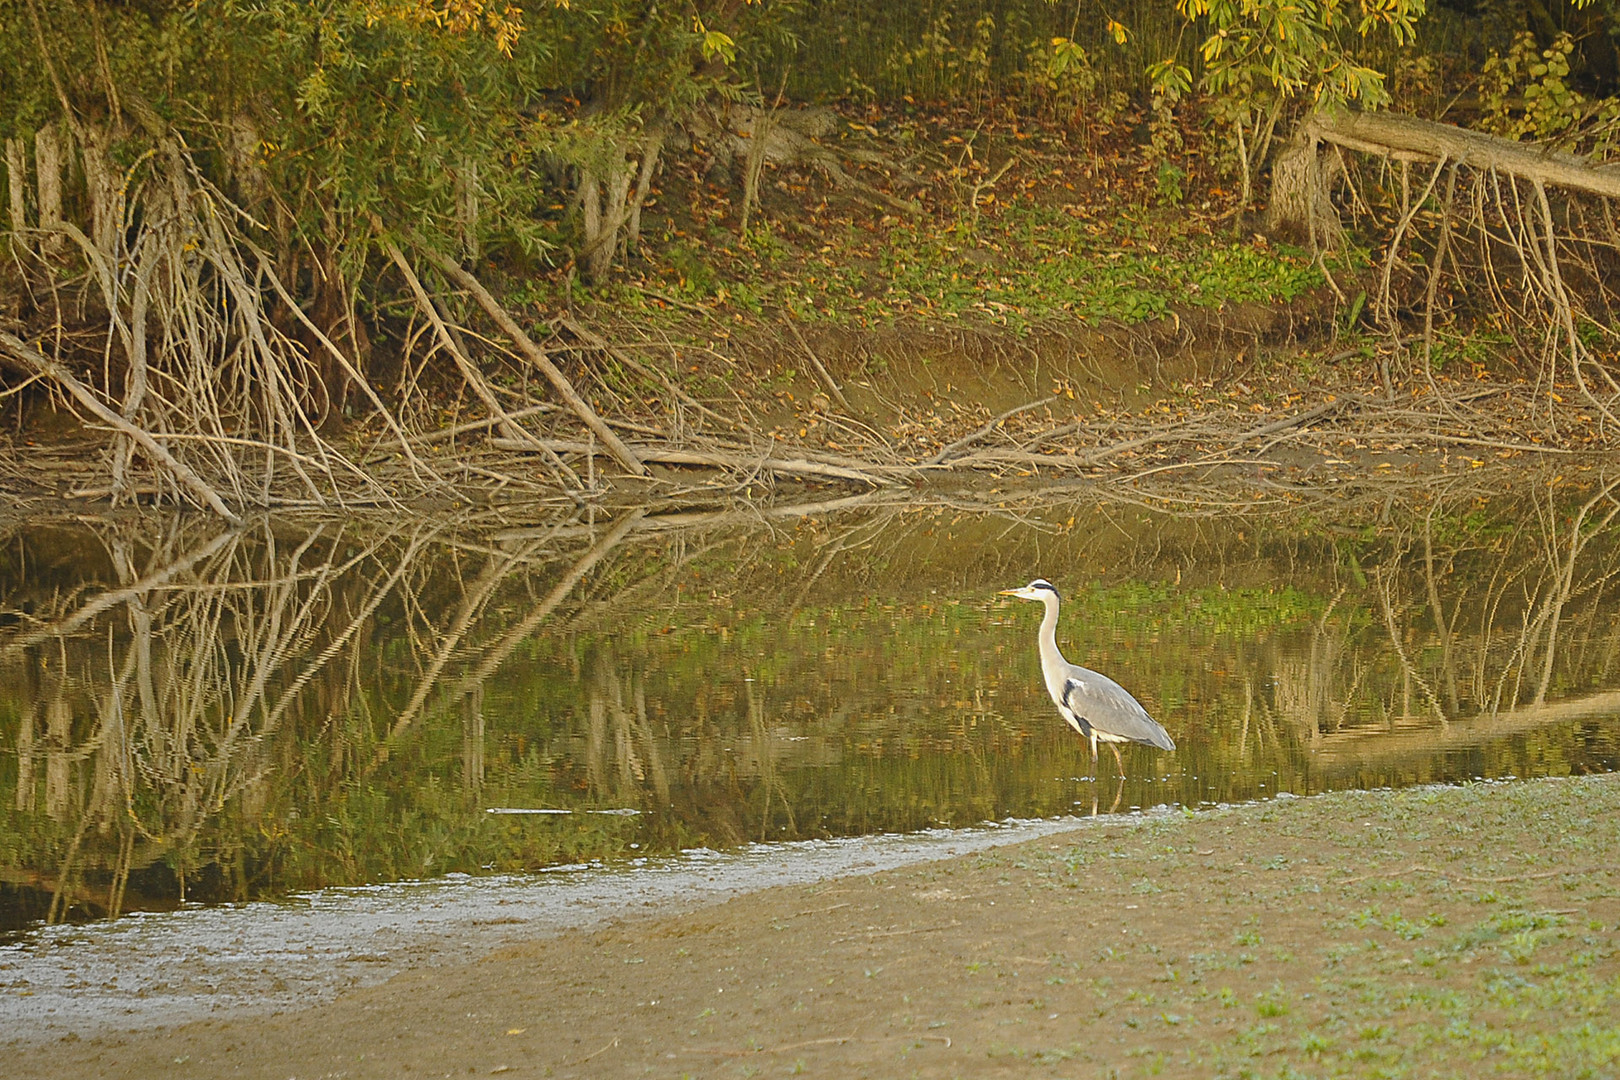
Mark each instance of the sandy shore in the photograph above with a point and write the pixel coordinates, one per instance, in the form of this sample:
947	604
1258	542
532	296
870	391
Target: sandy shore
1416	933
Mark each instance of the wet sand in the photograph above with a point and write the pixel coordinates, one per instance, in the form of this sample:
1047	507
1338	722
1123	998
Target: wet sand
1421	932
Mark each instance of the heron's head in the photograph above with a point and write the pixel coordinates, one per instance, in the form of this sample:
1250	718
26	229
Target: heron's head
1039	589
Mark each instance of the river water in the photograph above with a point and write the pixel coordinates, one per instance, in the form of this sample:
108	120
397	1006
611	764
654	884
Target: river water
302	717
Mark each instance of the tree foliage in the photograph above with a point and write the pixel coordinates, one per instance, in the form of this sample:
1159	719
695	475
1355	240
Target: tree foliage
455	118
436	116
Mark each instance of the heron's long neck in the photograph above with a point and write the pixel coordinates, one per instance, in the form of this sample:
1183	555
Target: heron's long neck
1051	659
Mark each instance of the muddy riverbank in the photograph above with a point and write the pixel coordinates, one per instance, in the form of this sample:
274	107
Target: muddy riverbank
1418	932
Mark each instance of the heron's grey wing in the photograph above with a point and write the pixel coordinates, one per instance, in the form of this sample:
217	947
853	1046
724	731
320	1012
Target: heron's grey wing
1097	701
1071	703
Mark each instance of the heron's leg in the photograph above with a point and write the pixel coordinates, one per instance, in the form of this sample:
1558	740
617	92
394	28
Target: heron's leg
1095	773
1119	793
1114	746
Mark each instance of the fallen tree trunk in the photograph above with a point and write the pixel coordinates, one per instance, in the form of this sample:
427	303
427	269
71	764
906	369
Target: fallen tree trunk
1397	135
708	459
1542	263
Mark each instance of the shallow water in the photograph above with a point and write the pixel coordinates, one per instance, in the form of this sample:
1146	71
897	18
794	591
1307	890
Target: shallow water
162	968
193	715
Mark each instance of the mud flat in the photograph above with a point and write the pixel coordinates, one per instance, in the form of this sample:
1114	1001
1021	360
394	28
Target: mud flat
1420	932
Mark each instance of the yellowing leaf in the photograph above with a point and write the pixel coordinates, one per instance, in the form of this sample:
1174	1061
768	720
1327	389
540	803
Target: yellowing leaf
717	44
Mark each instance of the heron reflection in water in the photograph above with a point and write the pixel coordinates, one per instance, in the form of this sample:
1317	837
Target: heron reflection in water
1094	705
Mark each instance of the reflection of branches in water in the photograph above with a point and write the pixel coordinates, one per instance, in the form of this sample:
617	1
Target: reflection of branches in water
1316	689
1410	742
1376	650
1443	603
1410	673
761	754
1562	556
108	600
1415	576
629	763
218	671
655	588
178	724
173	685
471	607
620	735
1475	622
1437	612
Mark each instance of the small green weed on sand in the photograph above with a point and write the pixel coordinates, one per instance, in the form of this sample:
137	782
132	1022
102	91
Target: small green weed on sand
1026	264
1038	262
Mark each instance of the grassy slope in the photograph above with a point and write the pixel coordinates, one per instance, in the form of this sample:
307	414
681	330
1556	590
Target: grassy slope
1017	221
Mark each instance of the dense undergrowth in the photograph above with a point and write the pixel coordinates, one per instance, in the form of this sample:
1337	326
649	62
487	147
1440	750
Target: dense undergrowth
249	237
1017	223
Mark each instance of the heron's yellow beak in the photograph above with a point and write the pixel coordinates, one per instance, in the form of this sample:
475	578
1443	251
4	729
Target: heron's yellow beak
1008	592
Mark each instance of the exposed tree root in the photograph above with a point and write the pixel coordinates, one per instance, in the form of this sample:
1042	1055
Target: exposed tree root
537	356
1541	267
36	362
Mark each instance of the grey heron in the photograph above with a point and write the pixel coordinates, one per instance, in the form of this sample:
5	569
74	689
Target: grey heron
1094	705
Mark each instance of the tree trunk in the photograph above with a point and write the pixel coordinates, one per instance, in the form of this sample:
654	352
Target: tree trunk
603	199
17	181
105	187
1302	207
467	209
651	148
246	169
48	164
332	312
759	138
590	206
